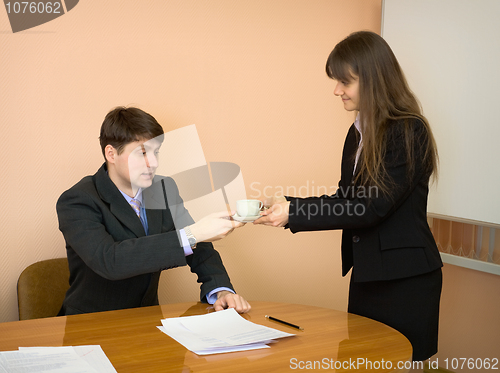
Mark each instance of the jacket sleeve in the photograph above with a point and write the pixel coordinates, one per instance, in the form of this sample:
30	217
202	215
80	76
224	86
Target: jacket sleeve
363	207
205	261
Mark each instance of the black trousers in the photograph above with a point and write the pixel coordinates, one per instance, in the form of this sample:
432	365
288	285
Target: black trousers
409	305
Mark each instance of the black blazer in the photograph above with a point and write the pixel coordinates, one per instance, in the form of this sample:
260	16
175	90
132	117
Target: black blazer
113	264
384	237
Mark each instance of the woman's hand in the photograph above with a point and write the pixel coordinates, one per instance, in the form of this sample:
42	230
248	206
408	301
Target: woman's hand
277	214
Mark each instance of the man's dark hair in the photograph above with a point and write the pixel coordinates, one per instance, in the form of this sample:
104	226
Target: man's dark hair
123	125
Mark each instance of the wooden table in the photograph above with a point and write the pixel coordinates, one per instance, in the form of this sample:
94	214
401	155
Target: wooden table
330	339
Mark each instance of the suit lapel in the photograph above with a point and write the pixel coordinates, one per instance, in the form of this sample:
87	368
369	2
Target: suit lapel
154	202
118	205
154	221
347	170
349	157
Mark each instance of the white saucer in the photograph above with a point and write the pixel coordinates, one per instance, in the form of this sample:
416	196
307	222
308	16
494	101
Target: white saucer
246	219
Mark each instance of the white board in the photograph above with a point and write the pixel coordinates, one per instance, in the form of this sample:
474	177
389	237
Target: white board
450	53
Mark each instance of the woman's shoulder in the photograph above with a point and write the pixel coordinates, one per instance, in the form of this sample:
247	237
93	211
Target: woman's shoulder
413	122
406	125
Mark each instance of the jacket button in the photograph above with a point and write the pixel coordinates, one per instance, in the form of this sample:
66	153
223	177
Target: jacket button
355	239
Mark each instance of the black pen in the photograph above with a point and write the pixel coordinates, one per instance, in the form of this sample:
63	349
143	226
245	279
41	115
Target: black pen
284	322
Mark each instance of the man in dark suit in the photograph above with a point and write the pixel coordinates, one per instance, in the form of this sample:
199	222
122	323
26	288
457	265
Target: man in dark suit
124	225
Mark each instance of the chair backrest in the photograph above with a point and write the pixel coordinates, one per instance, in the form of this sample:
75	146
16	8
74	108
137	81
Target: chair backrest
41	288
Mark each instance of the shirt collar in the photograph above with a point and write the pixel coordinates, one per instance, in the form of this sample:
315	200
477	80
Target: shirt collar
357	124
138	196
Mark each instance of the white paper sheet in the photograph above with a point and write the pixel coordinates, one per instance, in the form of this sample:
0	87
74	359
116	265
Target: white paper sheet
92	354
80	359
218	332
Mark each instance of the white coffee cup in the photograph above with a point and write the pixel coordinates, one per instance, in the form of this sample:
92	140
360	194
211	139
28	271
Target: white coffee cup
248	207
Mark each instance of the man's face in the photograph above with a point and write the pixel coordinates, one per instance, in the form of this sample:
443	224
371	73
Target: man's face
136	166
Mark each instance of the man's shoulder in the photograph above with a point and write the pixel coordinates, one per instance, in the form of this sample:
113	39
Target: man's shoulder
87	185
160	180
161	188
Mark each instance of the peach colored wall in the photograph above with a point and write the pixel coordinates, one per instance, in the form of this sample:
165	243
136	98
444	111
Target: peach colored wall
470	302
469	320
249	74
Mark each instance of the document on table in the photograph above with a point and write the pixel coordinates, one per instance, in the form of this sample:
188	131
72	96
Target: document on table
219	332
67	359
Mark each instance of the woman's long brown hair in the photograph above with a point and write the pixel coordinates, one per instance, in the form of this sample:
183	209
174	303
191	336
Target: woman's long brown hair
385	100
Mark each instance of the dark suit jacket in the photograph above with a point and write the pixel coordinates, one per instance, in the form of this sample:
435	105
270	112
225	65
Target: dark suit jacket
113	264
384	237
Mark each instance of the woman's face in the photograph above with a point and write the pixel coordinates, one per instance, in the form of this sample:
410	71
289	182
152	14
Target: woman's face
348	92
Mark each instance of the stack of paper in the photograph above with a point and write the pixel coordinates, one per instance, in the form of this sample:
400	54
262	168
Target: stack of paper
219	332
78	359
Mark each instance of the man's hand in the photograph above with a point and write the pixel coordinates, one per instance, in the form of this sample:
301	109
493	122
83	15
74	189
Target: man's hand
226	299
214	227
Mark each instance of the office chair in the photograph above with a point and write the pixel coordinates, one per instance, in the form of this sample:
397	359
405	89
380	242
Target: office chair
41	288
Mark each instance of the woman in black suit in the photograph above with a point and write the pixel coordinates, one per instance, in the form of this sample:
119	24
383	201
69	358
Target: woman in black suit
388	158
